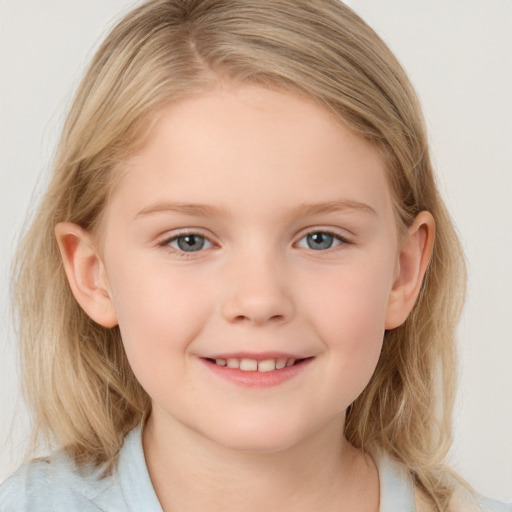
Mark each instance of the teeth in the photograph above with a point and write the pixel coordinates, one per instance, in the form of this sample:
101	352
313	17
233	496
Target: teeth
252	365
249	365
267	365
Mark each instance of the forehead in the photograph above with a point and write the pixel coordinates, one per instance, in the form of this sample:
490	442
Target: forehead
255	149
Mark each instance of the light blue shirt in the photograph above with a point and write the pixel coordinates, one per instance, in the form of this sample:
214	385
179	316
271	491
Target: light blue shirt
57	485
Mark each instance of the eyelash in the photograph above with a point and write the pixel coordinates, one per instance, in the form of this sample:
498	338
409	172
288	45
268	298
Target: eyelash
188	254
336	236
178	252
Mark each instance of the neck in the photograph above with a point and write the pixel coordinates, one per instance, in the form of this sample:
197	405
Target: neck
322	472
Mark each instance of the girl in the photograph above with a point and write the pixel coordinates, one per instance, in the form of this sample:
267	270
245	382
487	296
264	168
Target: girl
241	286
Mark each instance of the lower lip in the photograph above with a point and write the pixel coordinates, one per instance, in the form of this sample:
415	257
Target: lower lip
256	379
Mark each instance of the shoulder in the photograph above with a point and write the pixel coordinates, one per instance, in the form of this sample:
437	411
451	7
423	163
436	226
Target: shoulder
26	489
57	485
398	492
488	505
463	500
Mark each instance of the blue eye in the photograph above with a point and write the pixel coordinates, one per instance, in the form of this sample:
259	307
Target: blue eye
320	241
189	243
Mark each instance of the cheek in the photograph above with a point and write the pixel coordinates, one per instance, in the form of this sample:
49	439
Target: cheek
348	313
159	312
350	300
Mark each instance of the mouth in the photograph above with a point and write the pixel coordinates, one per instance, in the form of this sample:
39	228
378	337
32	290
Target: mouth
257	370
246	364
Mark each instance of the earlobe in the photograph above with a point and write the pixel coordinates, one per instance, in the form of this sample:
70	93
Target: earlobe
86	273
413	261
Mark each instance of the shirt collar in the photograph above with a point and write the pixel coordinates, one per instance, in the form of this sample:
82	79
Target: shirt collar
134	476
396	485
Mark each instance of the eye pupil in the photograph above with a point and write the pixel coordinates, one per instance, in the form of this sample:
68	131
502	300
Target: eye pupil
319	240
190	243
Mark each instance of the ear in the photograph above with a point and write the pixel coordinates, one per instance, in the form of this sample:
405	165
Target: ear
414	257
86	273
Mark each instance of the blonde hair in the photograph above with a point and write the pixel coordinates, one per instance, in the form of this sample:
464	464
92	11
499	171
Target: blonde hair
76	375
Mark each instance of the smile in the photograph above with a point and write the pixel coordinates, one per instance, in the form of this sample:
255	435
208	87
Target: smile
266	371
253	365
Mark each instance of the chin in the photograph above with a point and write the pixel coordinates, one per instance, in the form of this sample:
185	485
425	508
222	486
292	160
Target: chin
257	437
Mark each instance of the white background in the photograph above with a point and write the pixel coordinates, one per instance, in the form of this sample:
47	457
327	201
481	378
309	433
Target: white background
458	54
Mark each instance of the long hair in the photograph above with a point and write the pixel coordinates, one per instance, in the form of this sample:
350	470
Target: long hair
76	375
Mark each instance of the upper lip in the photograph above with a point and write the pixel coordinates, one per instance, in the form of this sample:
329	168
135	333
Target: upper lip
258	356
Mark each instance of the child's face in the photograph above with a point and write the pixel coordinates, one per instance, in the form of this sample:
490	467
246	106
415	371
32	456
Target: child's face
252	226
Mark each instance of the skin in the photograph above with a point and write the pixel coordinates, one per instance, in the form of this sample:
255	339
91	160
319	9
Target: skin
257	159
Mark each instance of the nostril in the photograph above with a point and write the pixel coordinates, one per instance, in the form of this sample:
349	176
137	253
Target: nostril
273	318
257	310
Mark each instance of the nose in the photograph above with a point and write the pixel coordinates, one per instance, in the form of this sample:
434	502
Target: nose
258	292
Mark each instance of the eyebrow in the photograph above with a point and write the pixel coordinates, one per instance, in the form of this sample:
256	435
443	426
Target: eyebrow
304	209
192	209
